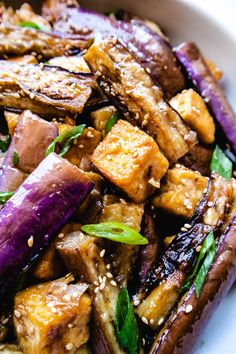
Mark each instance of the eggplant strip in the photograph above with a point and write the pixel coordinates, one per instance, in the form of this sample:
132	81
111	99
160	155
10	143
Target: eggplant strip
152	50
82	255
36	212
30	149
126	82
44	90
20	41
161	289
193	62
185	324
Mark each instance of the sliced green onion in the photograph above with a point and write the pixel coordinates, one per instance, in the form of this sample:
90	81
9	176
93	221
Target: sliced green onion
4	143
221	164
15	158
125	323
66	139
30	24
115	231
4	196
112	121
207	251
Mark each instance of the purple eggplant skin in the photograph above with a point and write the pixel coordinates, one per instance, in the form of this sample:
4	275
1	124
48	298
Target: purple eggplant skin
193	62
153	51
37	212
183	328
31	138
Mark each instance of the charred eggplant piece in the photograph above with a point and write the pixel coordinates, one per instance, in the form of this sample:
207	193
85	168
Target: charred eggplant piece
44	90
19	41
31	138
83	257
198	159
127	83
193	62
52	317
186	322
162	287
150	48
46	200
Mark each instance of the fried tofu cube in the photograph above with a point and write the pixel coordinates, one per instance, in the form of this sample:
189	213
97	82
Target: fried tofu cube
73	63
52	317
214	69
131	160
101	116
181	191
129	214
192	108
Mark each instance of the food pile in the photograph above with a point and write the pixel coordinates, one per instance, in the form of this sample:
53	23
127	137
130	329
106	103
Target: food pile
118	201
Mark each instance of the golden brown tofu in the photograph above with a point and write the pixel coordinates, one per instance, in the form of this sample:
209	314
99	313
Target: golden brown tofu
126	213
216	72
101	116
181	191
194	112
52	317
74	63
130	159
12	120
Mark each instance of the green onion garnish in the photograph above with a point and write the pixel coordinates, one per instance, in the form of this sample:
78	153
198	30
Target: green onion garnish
112	121
4	196
65	139
115	231
4	143
221	164
15	158
30	24
125	323
203	264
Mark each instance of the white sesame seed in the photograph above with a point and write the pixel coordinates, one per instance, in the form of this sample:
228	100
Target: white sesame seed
161	320
144	122
177	165
151	321
69	346
17	314
5	320
148	70
70	325
108	266
136	302
66	297
61	235
32	95
205	190
30	241
188	226
144	320
188	308
109	275
102	253
19	329
100	279
81	146
102	286
108	157
210	204
143	341
41	65
112	282
198	249
183	229
96	282
96	290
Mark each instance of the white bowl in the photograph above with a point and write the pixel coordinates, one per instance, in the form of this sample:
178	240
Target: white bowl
184	22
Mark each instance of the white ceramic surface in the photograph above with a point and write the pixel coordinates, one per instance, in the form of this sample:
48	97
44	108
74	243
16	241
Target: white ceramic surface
183	20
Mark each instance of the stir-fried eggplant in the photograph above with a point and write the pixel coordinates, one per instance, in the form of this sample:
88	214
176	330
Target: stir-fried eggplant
45	90
191	58
161	289
29	148
84	256
125	81
52	317
192	312
37	211
150	48
20	41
